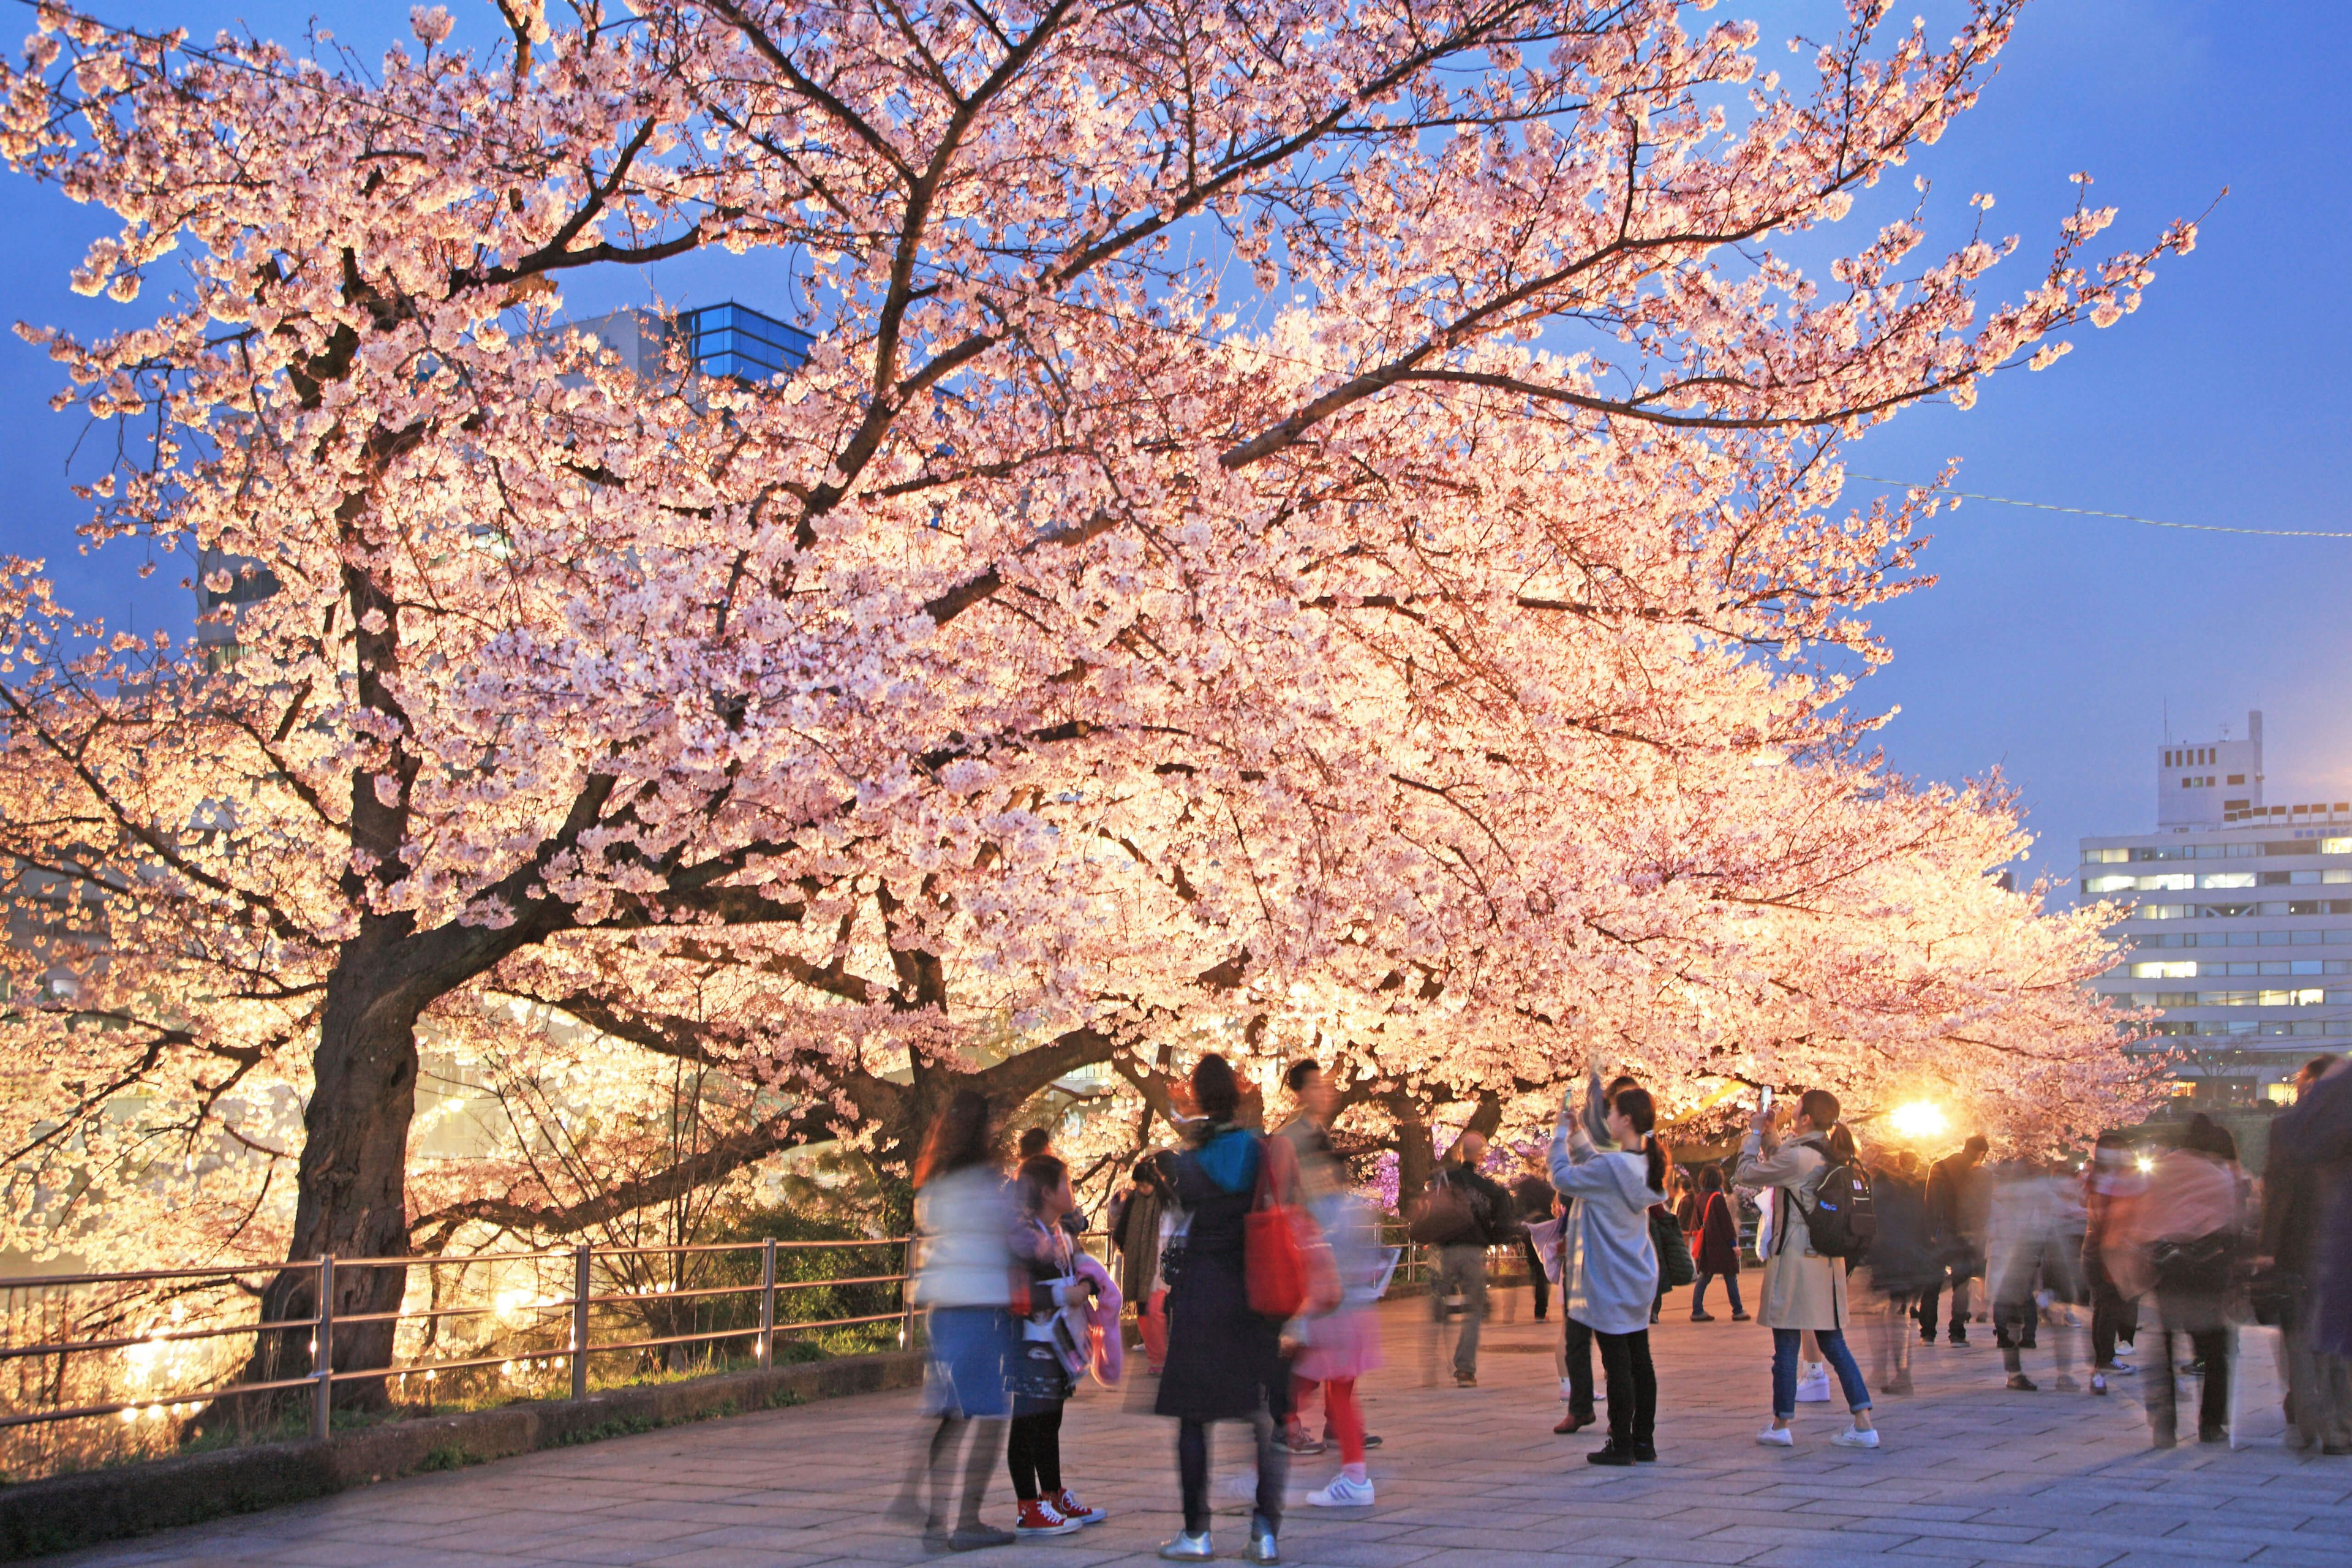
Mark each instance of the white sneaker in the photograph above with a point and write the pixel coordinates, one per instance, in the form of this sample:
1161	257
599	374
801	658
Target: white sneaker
1189	1548
1855	1438
1777	1438
1813	1387
1341	1493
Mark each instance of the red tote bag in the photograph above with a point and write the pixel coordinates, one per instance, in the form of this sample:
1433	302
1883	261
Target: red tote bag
1286	1263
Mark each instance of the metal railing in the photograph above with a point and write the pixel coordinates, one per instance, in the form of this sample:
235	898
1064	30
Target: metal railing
322	1324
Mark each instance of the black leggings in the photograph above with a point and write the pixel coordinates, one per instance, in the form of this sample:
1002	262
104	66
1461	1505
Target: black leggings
1632	1387
1192	1472
1034	1451
1535	1273
1579	1368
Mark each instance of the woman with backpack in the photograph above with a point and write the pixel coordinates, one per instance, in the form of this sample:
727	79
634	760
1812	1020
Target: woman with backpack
2179	1241
1716	1248
1803	1289
1609	1268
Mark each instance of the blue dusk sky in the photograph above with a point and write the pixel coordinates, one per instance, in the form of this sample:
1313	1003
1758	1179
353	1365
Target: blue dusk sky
2052	646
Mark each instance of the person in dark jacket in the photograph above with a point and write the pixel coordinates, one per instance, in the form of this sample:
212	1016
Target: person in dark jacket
1490	1219
1901	1265
1137	1221
2306	1235
1718	1253
1535	1199
1959	1205
1225	1362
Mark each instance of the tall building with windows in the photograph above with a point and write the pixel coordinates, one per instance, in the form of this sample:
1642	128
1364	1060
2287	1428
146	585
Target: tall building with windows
2240	925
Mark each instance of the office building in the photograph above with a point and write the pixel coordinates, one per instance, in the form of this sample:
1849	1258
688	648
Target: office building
2240	923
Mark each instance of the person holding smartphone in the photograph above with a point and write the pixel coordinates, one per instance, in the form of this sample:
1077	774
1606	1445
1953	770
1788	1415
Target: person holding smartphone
1802	1288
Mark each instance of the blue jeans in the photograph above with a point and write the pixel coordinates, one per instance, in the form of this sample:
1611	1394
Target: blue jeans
1784	1370
1731	1286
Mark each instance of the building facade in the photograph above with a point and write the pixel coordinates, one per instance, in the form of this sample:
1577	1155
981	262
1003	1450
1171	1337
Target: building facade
2240	924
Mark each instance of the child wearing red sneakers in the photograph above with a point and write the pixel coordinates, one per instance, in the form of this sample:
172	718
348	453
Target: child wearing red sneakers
1046	1361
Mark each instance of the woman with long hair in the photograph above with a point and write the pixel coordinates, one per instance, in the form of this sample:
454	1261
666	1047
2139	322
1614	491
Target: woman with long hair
1225	1362
1802	1289
1610	1272
965	1281
1717	1252
1043	1379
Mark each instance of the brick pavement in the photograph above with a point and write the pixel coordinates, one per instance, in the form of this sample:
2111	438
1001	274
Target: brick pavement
1969	1474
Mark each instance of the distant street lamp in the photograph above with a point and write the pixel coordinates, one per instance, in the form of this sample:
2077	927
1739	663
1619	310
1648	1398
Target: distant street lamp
1920	1119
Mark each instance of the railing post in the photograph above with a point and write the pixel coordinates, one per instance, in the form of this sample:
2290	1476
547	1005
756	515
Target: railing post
907	1295
768	1302
322	1356
580	1322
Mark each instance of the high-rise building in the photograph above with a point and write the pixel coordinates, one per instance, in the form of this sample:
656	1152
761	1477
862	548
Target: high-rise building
2240	926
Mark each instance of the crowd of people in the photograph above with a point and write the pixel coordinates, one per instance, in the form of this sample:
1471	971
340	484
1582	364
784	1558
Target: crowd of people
2161	1245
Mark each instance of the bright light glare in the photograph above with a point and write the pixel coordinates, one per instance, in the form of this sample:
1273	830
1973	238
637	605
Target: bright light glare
1918	1119
2145	1163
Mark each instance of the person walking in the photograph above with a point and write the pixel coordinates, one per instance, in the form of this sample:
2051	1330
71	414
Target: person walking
2033	1265
1349	1343
1959	1203
1341	1346
2307	1235
1140	1220
1718	1247
965	1280
1224	1361
2179	1244
1900	1264
1047	1361
2111	1181
1537	1206
1488	1220
1802	1289
1609	1279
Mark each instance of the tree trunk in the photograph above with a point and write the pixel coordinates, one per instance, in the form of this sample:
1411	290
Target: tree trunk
1416	1159
351	1201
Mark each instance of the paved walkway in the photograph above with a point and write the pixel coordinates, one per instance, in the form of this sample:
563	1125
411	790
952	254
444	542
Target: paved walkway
1969	1473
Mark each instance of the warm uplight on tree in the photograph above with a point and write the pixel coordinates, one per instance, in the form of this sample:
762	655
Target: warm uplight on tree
1920	1119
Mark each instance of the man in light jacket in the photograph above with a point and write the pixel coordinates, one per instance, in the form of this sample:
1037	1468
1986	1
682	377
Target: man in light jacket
1802	1288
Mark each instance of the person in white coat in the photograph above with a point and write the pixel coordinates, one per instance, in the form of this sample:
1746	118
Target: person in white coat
1609	1267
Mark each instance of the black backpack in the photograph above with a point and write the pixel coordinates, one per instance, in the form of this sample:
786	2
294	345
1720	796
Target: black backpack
1841	1220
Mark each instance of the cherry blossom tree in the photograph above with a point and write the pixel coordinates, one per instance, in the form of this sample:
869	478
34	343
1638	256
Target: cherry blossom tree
1292	514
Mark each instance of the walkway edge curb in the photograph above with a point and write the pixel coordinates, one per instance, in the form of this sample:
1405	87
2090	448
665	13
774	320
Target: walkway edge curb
63	1512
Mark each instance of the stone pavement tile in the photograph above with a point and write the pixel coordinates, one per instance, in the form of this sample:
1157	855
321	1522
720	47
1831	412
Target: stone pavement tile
2292	1557
2155	1552
743	1557
1323	1552
2035	1555
2279	1533
1875	1508
1837	1557
585	1546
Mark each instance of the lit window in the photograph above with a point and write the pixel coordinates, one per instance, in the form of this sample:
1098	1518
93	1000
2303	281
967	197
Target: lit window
2337	876
2226	880
2113	857
2170	882
2110	884
2175	969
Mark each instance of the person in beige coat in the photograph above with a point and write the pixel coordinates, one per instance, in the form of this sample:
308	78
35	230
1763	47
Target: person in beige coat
1801	1289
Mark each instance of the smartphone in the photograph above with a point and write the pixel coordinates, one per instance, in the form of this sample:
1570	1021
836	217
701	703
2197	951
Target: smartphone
1765	1101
